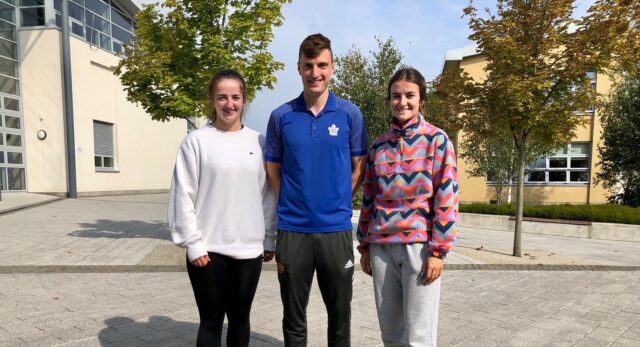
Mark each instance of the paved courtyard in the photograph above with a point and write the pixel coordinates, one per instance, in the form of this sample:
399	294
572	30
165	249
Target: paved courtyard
101	272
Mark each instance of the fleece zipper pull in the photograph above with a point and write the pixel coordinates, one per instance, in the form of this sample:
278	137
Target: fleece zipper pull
402	145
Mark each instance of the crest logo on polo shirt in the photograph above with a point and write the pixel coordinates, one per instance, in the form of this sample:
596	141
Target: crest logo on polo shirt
333	130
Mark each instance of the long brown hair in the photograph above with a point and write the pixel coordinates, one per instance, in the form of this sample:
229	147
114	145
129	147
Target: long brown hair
411	75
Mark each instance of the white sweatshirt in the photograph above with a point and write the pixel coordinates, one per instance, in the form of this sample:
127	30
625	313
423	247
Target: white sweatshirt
219	199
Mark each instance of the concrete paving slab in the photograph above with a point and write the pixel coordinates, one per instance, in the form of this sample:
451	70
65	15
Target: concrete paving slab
16	201
102	271
161	311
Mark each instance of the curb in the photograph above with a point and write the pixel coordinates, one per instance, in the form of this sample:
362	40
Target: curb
52	269
28	206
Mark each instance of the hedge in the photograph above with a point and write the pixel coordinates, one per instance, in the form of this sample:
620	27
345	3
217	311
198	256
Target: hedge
609	213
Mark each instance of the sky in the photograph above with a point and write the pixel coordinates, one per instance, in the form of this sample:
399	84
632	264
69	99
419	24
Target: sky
423	30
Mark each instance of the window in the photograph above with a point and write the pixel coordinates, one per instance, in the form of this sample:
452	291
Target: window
569	164
100	22
103	145
11	104
32	13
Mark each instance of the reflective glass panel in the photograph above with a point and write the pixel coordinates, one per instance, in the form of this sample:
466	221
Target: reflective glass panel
1	157
121	35
14	157
3	178
557	162
8	49
579	148
105	41
16	178
97	23
536	176
580	163
77	29
121	20
98	7
557	176
8	67
7	12
14	140
12	122
9	85
7	31
108	162
98	161
76	11
561	151
117	47
540	163
31	2
32	16
579	176
11	104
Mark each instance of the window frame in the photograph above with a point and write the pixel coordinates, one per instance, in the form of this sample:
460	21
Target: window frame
100	166
567	155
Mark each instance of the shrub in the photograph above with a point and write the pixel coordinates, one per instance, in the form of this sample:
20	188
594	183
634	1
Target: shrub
609	213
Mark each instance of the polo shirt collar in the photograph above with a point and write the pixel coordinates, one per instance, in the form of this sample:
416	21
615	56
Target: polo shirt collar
301	106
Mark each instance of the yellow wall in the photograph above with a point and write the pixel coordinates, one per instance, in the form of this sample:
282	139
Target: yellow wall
40	72
144	150
475	189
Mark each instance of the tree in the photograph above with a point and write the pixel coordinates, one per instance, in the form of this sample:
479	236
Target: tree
537	65
491	157
179	44
363	81
620	164
447	101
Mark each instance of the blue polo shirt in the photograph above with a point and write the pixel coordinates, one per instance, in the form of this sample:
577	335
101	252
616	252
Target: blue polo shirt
315	157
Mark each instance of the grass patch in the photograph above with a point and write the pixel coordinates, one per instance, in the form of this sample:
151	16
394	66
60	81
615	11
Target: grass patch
609	213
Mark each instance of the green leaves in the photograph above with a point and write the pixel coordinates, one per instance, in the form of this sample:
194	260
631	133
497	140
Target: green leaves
179	44
363	80
620	162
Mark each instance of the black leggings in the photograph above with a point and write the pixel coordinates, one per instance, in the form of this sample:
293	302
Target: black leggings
225	285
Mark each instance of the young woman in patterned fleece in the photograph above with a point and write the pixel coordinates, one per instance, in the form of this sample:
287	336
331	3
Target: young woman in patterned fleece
408	217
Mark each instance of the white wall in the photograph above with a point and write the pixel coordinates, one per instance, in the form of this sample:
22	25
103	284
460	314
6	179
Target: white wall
145	149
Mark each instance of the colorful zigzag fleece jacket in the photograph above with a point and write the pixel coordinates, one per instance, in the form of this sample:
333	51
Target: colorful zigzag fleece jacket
410	189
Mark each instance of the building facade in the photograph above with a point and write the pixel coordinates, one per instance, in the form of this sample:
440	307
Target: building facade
567	176
118	148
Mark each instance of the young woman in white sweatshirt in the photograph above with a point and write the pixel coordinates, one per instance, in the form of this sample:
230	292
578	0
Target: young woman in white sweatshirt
221	211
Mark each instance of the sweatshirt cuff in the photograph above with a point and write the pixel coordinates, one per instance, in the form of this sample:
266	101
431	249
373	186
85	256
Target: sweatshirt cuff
269	243
363	247
196	251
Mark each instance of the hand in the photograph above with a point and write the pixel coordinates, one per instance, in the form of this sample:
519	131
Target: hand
365	263
201	261
432	270
267	256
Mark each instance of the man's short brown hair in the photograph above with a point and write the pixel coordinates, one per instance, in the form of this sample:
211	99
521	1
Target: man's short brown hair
313	45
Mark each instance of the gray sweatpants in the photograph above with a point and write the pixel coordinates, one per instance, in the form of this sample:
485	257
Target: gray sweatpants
407	309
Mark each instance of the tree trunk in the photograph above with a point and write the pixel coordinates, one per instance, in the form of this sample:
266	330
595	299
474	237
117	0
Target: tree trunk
517	238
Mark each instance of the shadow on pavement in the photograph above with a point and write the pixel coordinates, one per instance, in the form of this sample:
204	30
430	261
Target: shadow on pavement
161	331
117	229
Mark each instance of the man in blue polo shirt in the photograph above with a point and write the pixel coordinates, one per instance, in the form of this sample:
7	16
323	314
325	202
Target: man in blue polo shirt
315	152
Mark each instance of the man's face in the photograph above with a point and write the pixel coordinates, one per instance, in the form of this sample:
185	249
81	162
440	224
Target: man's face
316	73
